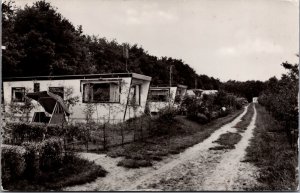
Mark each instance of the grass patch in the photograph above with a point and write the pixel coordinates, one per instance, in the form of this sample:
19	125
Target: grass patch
133	163
227	141
272	154
74	171
245	120
184	133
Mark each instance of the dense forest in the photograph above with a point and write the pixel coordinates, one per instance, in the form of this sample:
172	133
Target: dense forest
40	41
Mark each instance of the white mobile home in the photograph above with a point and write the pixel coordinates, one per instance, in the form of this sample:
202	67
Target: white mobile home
162	97
112	97
199	93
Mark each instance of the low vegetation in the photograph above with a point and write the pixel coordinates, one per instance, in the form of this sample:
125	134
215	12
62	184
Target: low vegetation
183	133
227	141
44	166
271	152
211	107
246	119
281	98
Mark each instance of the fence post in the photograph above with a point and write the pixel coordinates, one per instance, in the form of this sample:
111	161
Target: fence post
141	127
104	136
122	133
134	129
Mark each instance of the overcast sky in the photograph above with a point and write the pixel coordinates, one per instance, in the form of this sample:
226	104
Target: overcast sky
226	39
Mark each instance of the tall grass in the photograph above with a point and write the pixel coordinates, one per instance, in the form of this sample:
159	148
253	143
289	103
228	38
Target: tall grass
271	152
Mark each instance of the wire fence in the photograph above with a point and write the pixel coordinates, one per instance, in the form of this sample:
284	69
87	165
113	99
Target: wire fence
100	137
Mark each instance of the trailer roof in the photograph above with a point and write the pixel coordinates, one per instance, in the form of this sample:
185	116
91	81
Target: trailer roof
82	76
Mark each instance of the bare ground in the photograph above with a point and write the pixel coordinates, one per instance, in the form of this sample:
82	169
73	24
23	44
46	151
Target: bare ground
195	169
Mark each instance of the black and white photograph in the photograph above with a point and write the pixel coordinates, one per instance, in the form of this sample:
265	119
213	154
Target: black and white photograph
149	95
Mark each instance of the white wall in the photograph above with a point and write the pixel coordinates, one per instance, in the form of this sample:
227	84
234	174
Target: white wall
139	110
157	106
113	111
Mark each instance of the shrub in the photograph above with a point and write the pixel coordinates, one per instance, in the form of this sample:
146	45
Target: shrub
51	154
32	160
44	155
201	118
167	114
54	131
163	124
12	163
27	132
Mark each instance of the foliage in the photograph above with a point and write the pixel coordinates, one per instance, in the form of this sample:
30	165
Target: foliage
32	159
211	106
167	114
184	134
280	97
21	132
248	89
12	163
271	153
164	123
39	37
88	111
72	171
51	154
69	99
22	109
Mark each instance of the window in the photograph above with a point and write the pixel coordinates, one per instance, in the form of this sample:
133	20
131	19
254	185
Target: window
161	95
36	87
135	95
58	91
18	94
101	92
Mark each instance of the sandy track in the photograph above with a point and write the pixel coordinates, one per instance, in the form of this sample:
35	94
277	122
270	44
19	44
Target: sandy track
197	168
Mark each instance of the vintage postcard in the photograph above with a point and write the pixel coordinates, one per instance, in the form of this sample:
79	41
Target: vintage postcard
149	95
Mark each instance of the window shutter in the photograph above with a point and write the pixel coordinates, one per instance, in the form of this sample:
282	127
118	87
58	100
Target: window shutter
86	92
114	92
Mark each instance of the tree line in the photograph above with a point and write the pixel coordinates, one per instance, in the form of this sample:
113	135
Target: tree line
41	42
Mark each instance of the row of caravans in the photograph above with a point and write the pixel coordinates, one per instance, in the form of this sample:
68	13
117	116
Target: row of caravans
112	97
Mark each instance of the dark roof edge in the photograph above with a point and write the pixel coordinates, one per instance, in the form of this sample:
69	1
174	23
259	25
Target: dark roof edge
168	86
83	76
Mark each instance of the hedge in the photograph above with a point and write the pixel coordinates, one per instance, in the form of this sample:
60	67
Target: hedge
37	132
12	162
30	159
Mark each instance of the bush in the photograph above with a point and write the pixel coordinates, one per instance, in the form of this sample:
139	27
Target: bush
51	154
210	106
54	131
12	163
167	114
201	118
32	160
43	156
26	132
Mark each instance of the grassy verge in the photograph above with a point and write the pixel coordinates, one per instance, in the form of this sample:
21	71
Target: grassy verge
74	171
185	133
270	151
227	141
245	120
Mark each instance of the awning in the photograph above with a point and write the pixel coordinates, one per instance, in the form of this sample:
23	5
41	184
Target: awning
48	101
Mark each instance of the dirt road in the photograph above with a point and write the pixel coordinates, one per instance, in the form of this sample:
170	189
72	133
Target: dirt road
196	169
